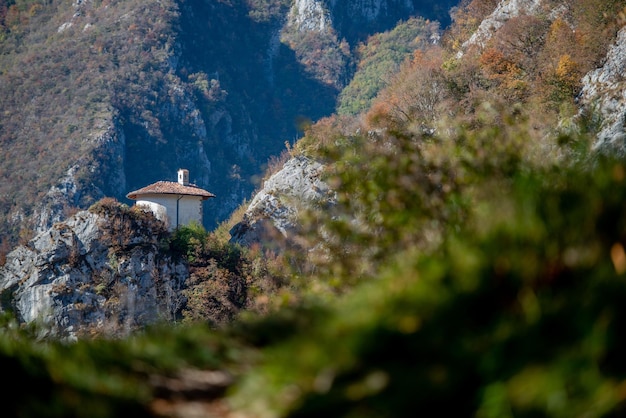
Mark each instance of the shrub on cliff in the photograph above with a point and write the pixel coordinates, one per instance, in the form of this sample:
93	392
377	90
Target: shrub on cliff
125	225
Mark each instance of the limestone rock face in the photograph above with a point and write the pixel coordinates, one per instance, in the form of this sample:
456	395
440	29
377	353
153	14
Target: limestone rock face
70	192
604	95
272	216
95	272
309	15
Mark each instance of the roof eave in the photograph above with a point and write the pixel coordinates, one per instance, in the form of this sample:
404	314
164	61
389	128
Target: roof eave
135	196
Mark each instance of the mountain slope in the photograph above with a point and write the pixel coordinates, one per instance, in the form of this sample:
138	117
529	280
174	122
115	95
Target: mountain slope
540	59
102	97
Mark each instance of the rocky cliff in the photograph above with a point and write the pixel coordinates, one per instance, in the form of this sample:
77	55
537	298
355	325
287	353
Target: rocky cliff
309	15
603	96
272	216
603	93
349	15
101	271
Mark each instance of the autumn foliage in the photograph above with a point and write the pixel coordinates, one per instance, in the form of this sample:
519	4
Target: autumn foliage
534	61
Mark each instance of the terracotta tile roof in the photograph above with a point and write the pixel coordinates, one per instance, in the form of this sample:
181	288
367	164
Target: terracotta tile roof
170	187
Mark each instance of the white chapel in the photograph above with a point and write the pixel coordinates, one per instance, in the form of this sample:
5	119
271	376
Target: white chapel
176	203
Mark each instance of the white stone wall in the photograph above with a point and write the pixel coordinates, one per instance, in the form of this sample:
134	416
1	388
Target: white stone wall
189	208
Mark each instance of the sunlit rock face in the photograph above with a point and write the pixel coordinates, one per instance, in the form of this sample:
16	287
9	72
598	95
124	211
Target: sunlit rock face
309	15
81	276
604	98
272	216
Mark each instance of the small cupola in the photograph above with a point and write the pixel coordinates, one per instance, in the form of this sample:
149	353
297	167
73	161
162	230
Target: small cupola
183	177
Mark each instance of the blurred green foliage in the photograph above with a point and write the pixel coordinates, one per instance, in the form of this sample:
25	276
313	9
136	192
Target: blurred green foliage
102	377
517	311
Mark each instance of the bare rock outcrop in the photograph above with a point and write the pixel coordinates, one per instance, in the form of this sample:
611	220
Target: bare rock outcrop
101	271
604	96
272	215
309	15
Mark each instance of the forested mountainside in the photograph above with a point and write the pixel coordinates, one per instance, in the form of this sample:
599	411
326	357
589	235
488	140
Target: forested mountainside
103	97
453	242
555	65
